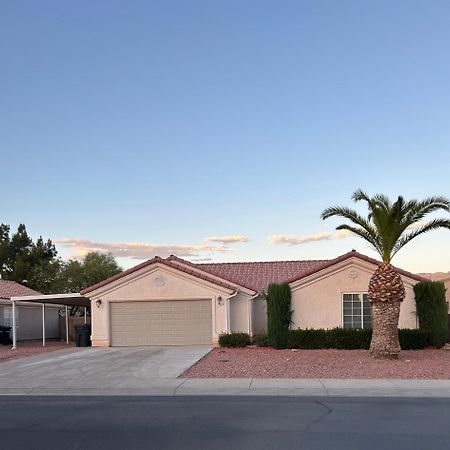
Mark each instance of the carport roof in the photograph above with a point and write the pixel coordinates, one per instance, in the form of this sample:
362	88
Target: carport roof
73	299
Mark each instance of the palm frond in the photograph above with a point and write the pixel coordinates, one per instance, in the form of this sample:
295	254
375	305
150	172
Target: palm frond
363	234
387	226
418	210
432	225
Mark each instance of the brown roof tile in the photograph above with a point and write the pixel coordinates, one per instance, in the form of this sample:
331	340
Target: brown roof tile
10	289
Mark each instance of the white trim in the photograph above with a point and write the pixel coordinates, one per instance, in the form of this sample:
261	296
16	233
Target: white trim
43	324
14	346
66	309
157	299
24	298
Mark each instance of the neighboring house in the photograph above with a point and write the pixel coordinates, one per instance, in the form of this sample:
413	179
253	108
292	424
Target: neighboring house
174	302
28	315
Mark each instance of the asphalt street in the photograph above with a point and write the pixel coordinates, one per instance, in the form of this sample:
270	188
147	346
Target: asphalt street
223	423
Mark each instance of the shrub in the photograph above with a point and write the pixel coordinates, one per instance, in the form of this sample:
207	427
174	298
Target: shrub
432	311
261	340
308	339
279	314
234	340
349	339
412	339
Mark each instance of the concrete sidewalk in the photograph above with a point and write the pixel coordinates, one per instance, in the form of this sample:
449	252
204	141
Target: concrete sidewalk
145	371
257	387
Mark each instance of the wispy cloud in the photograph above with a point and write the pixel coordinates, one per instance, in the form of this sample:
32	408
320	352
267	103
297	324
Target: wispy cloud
292	239
226	239
136	250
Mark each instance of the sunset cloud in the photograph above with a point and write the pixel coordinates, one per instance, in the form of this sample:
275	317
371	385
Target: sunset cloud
291	239
136	250
226	239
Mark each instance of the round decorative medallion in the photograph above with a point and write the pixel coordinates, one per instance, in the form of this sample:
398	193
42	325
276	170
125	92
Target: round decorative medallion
159	281
352	274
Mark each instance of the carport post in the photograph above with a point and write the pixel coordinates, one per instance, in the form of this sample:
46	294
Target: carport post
43	324
14	331
67	324
85	315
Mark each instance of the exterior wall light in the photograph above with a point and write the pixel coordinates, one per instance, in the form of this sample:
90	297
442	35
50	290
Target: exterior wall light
219	300
98	303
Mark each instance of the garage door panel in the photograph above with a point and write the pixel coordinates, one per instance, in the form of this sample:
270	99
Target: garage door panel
183	322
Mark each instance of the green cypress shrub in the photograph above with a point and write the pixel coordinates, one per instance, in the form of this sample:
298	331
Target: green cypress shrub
279	314
432	311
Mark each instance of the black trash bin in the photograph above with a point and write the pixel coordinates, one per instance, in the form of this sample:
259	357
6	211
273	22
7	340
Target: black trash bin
5	338
83	335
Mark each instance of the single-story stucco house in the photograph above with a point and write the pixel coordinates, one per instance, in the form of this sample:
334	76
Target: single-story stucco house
28	315
175	302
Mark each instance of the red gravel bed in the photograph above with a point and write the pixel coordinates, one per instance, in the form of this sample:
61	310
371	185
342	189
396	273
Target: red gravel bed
269	363
30	348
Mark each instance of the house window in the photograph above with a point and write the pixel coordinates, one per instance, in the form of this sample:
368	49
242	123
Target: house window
356	311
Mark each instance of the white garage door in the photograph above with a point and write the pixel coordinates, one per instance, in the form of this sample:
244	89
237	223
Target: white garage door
183	322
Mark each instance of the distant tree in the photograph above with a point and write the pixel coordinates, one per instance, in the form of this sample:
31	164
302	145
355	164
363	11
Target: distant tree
99	266
38	266
95	267
24	261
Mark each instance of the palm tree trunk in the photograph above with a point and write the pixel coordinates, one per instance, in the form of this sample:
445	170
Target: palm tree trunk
386	292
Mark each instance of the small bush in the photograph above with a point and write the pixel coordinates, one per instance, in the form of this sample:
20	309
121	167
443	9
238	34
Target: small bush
350	338
308	339
432	311
279	314
412	339
234	340
261	340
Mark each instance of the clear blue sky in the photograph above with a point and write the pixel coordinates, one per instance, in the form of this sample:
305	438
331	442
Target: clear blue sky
166	122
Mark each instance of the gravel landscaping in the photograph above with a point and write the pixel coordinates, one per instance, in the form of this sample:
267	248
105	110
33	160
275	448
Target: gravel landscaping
269	363
30	348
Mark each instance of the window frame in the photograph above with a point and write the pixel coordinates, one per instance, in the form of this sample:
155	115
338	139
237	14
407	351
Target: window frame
363	327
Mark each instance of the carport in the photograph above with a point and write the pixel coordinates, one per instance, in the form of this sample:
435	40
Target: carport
66	300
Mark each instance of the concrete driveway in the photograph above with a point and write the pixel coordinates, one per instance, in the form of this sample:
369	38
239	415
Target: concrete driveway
118	370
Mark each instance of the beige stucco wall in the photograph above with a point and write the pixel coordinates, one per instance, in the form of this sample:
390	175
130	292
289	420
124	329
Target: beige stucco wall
239	313
157	283
259	312
317	302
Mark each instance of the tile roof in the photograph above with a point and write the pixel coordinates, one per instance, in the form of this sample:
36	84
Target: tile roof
436	276
10	289
255	276
258	275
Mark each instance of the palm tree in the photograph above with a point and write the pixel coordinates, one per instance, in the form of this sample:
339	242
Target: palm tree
388	227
